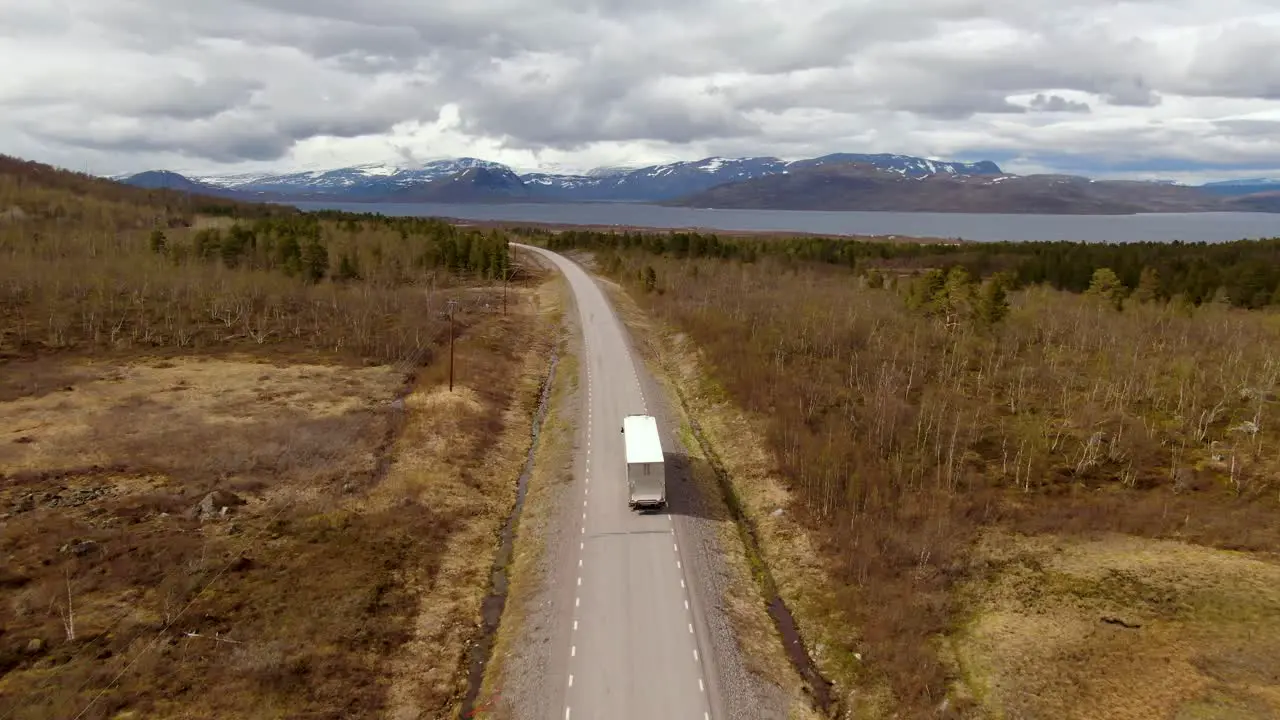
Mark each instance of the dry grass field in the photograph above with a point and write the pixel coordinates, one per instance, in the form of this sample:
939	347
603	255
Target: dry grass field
233	479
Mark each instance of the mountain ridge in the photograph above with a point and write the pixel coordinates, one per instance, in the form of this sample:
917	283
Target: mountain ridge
836	181
651	183
863	187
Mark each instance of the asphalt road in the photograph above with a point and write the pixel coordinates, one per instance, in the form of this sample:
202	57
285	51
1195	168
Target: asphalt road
631	649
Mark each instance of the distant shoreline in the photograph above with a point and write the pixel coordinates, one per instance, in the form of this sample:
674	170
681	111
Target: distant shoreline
867	226
749	234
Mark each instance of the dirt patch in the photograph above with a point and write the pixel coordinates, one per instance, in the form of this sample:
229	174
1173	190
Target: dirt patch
205	420
168	531
1121	627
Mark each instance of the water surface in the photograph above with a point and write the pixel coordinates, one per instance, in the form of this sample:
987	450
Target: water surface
1159	227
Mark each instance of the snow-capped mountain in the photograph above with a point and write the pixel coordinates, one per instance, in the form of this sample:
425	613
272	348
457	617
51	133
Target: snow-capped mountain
358	182
654	183
166	180
609	170
672	180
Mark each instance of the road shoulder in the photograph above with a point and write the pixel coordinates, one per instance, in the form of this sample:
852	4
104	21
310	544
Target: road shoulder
522	670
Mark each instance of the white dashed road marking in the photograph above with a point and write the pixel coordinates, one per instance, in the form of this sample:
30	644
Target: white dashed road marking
598	362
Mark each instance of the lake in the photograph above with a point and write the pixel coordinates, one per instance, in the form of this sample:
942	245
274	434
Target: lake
1161	227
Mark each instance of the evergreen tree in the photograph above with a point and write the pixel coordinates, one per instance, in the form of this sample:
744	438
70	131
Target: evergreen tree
954	300
348	268
289	255
1106	285
315	260
925	290
992	303
208	243
1148	286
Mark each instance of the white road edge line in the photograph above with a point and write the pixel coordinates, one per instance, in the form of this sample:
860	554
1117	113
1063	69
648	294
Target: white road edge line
695	654
571	680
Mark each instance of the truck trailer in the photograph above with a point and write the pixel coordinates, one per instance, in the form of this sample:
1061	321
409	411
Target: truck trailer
646	469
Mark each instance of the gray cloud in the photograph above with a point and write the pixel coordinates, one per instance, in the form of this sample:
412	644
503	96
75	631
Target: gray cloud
1057	103
266	80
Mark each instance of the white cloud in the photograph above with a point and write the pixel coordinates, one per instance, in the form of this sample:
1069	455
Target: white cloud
1157	88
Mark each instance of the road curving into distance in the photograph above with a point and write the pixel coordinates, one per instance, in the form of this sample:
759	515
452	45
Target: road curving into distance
633	646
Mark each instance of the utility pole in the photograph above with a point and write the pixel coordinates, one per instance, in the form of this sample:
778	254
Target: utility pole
452	303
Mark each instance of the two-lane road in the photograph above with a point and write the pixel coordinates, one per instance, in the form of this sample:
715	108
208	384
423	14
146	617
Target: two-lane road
632	651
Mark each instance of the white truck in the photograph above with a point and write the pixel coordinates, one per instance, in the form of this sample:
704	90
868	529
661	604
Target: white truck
646	470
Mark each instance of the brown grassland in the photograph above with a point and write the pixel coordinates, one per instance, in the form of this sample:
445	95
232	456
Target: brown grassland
1071	513
233	482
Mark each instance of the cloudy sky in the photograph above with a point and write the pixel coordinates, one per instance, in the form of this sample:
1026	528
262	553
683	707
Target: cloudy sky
1185	89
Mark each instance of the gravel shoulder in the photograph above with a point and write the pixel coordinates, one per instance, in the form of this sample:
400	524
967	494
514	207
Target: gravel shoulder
518	677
